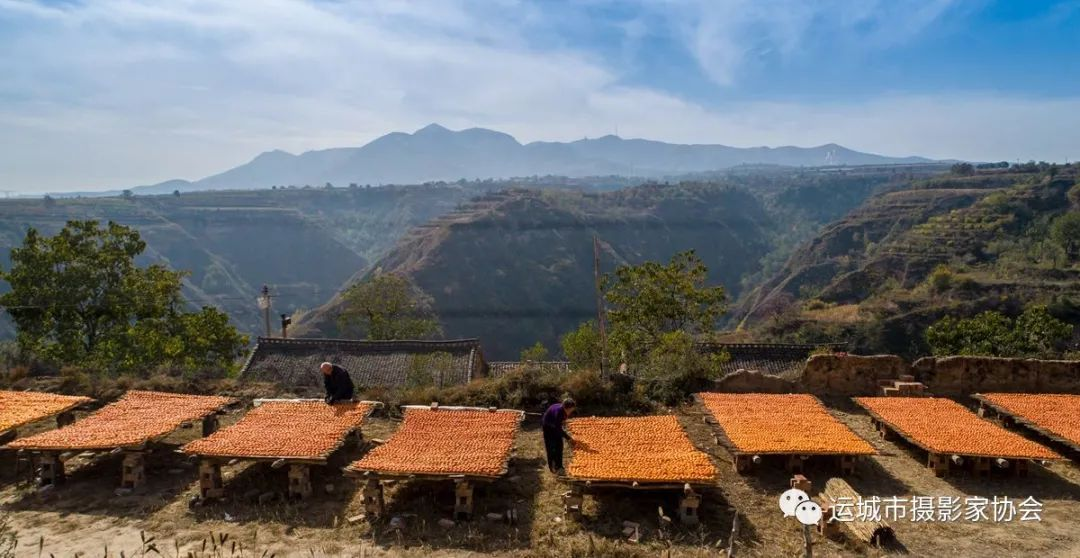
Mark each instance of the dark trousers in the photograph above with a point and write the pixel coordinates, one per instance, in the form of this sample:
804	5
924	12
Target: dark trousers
553	446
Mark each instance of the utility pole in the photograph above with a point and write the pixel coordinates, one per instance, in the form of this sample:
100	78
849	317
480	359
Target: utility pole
264	304
599	304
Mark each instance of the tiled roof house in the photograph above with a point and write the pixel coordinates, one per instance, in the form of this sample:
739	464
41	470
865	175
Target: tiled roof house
390	364
500	368
778	359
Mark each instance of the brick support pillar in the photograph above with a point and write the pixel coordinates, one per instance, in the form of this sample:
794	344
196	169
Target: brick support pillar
133	473
374	501
299	481
463	500
211	484
573	501
50	469
689	502
939	463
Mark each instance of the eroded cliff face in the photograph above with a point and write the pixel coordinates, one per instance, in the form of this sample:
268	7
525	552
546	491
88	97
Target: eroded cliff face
517	267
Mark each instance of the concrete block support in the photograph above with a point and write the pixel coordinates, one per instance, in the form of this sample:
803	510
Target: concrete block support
463	500
211	484
133	472
299	481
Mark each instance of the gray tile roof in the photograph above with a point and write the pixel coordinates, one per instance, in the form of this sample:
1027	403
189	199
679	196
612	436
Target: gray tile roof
390	364
496	369
776	359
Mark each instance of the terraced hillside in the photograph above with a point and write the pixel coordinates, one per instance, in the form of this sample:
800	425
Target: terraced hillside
516	267
867	276
302	243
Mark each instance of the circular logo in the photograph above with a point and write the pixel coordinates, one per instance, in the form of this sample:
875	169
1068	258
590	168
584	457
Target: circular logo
790	499
808	513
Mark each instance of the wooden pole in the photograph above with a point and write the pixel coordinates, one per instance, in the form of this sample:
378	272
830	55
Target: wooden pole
734	535
600	322
808	541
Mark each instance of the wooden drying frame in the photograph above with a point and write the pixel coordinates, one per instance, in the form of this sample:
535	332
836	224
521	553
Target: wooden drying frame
642	484
404	475
1020	419
923	447
636	484
723	439
140	446
13	428
320	460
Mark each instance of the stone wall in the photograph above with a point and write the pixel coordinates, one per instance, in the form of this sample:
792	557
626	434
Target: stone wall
850	374
960	376
749	381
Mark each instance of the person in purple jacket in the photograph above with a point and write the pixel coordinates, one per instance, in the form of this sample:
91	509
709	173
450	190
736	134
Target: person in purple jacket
552	426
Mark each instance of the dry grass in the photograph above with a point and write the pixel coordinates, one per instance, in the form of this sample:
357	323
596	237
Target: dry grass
842	314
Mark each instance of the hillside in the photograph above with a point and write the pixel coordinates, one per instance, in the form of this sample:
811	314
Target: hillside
302	243
865	277
515	267
435	153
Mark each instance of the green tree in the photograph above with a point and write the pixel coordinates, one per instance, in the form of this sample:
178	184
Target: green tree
1074	195
941	279
536	353
652	299
673	368
1065	231
1035	333
582	346
78	298
986	334
387	307
963	169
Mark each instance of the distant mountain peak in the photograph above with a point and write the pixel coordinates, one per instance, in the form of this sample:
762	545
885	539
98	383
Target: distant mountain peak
432	129
274	154
435	152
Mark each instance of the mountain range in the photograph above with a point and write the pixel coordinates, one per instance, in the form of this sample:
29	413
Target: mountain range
435	153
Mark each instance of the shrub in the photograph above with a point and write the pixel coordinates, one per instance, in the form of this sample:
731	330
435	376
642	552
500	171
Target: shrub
674	369
941	279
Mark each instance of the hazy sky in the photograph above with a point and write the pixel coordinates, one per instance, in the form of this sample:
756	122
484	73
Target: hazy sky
117	93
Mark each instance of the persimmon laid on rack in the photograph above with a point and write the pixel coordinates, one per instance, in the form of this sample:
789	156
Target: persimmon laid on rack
638	453
635	449
285	430
463	444
944	426
446	441
134	419
295	432
19	408
761	423
1056	416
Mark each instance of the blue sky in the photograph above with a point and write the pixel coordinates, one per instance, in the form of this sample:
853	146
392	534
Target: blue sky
116	93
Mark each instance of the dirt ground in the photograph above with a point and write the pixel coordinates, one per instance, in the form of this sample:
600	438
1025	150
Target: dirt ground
86	517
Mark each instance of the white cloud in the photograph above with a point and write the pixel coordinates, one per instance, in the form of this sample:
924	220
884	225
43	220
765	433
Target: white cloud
115	93
724	36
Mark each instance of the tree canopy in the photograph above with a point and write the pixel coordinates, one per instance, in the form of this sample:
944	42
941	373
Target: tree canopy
652	299
78	298
387	306
1065	231
1035	333
582	346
